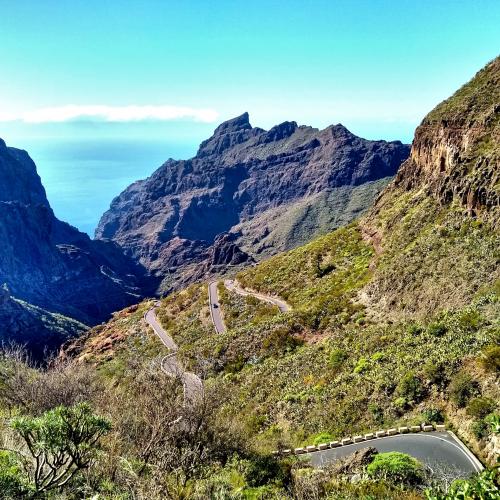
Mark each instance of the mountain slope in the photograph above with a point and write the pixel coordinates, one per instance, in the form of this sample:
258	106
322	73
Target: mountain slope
273	189
48	263
395	318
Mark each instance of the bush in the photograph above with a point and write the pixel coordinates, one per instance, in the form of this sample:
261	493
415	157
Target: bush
280	341
361	366
483	486
436	329
260	470
377	412
322	437
337	357
11	477
410	387
415	329
462	388
61	443
435	372
490	358
480	407
494	422
433	415
396	467
480	429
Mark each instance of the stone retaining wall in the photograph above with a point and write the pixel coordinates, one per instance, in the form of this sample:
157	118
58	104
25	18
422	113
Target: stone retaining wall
366	437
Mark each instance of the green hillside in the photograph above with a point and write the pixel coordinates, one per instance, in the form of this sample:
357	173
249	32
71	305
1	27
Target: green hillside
395	320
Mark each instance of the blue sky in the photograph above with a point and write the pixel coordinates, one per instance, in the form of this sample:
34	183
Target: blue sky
377	66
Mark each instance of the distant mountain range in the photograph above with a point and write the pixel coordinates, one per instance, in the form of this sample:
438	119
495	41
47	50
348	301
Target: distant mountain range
247	194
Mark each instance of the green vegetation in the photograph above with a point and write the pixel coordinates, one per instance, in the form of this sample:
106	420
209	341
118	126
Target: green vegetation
462	388
481	407
395	321
483	91
60	444
490	358
396	467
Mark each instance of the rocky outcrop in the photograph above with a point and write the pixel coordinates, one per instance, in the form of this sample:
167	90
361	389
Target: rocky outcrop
455	155
435	229
49	264
171	222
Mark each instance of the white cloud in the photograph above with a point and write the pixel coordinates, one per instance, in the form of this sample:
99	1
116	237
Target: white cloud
111	114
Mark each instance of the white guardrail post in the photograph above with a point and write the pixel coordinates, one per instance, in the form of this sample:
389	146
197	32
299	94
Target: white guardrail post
359	439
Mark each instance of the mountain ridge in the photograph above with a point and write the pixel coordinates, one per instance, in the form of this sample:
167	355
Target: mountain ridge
172	219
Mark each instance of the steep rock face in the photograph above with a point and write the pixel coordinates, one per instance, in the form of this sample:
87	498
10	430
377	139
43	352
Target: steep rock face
50	264
436	227
455	155
239	173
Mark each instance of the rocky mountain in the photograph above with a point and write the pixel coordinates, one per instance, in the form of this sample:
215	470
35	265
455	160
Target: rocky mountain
49	264
394	318
271	190
445	199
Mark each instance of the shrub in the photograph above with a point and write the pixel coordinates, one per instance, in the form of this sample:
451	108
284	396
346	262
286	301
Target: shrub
396	467
378	356
482	486
62	442
494	422
410	387
435	372
337	357
322	437
279	341
480	407
415	329
462	388
361	366
377	412
436	329
480	429
11	477
401	403
433	415
260	470
490	358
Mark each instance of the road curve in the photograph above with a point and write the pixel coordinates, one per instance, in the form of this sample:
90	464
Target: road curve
215	310
193	386
234	286
441	451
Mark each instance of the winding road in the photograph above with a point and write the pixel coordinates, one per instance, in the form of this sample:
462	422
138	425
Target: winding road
193	386
215	310
442	452
234	286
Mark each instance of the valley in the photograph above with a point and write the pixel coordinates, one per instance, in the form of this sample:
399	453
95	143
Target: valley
241	320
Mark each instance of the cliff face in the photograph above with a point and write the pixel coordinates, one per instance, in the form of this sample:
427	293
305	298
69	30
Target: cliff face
170	221
48	263
436	227
455	155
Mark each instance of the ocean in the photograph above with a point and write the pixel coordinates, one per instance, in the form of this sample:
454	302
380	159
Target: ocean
82	177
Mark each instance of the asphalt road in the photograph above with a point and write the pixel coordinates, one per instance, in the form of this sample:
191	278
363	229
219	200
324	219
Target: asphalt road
215	310
193	386
235	287
441	451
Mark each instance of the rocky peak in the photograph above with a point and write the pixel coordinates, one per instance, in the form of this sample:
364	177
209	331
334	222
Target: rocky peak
241	122
227	135
240	174
19	180
279	132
